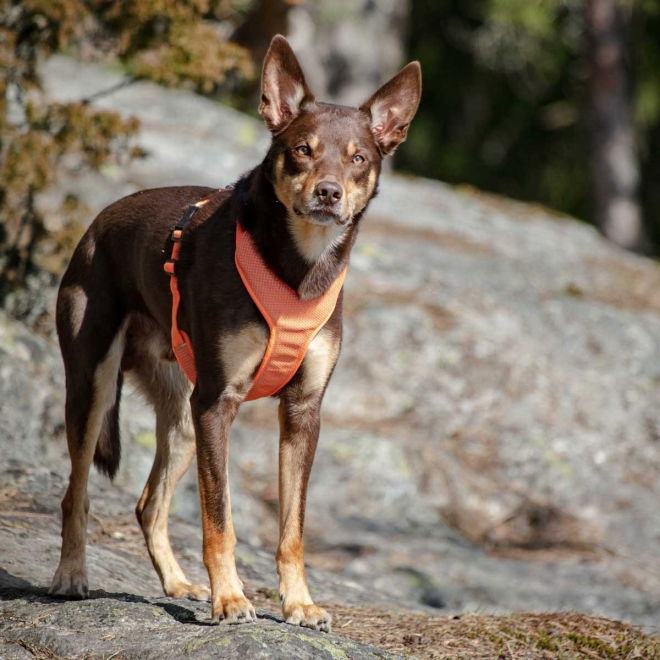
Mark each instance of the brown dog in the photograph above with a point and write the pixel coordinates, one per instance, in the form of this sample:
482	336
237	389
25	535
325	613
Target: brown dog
302	208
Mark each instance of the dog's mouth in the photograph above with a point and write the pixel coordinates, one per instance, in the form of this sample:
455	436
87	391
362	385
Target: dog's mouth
321	216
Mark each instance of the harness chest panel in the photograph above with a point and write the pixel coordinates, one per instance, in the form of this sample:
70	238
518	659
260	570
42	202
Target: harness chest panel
293	322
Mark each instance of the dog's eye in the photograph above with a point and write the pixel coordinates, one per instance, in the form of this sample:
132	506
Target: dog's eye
358	158
303	149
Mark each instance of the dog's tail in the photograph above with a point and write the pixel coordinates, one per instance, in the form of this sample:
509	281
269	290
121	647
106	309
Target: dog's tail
108	448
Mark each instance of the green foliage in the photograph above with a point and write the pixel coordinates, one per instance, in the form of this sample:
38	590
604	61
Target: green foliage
503	88
175	42
505	98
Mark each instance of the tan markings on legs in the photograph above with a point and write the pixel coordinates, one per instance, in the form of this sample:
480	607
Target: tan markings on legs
229	602
212	424
77	307
70	578
319	362
167	389
241	354
174	452
299	430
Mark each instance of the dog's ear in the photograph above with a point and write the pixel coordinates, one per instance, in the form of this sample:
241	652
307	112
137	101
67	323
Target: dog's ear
393	106
283	87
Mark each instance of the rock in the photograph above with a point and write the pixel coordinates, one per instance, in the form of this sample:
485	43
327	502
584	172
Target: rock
136	627
490	436
127	616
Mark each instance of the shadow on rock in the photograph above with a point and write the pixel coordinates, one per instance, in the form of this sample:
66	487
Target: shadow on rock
13	588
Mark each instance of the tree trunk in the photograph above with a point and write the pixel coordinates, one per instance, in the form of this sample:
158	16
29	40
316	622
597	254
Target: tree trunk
265	19
613	156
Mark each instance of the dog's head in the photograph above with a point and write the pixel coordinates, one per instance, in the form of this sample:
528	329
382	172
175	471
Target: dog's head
325	159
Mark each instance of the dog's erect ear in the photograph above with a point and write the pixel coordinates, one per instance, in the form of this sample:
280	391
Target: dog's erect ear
393	106
283	87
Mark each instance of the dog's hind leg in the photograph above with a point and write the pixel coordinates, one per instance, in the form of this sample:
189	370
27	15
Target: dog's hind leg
92	340
167	389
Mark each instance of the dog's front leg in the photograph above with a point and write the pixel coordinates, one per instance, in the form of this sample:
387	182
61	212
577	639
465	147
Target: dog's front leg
299	432
212	422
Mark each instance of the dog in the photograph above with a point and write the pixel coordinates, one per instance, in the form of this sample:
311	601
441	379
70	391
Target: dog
301	208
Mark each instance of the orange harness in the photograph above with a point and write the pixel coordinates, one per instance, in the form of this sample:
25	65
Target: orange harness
293	322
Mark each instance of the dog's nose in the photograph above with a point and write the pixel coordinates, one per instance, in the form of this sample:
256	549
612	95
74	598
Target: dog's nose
328	192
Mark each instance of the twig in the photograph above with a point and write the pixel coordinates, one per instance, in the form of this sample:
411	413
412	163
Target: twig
129	80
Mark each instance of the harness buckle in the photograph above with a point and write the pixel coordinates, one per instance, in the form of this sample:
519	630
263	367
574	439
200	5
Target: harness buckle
169	267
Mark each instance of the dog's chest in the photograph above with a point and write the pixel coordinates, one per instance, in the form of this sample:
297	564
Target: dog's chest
243	351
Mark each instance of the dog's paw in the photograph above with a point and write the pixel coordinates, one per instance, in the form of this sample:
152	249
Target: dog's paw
234	609
309	616
69	583
186	590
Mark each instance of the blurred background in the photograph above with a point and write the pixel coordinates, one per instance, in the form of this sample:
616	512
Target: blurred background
491	435
551	101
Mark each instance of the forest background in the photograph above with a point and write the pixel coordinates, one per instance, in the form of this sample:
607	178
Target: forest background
551	101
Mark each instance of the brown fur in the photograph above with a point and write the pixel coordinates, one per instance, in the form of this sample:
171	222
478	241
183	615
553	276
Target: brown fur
302	207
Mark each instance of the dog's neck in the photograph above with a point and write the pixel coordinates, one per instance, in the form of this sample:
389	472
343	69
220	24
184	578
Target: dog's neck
307	257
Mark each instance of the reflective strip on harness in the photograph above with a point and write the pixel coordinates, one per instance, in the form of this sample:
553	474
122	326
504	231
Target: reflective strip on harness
293	322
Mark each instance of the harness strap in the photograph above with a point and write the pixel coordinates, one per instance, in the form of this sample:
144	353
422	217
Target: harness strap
181	345
293	322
